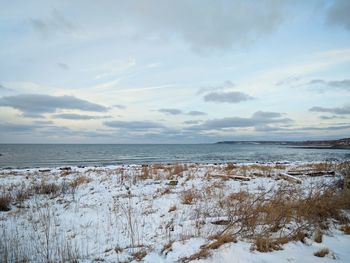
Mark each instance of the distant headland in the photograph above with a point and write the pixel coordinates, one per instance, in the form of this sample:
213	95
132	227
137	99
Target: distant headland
322	144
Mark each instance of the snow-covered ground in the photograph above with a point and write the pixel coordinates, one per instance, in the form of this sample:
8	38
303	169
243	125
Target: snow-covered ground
161	213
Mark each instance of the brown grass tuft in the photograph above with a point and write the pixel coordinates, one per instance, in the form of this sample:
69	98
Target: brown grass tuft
47	188
172	208
221	240
201	254
139	255
80	180
263	244
318	236
5	202
346	229
188	197
322	252
167	247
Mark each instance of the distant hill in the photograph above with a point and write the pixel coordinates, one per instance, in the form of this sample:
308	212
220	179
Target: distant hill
337	144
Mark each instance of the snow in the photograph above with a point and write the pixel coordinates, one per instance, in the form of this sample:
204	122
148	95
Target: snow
118	213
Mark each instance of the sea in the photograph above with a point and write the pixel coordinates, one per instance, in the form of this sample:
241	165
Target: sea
58	155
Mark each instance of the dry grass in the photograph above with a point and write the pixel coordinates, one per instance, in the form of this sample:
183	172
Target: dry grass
346	229
221	240
23	193
322	252
201	254
230	167
5	202
80	180
145	173
265	244
267	213
188	197
318	236
47	188
178	169
139	255
172	208
167	247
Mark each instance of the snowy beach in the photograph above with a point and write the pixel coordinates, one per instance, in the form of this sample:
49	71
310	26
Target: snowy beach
270	212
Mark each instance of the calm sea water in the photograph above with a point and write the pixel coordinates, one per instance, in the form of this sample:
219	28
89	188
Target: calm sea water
53	155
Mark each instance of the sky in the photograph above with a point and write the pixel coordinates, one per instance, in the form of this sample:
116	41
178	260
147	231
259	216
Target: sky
173	71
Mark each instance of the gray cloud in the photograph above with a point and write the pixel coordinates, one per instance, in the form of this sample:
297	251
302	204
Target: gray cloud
34	105
211	25
266	115
336	84
337	110
44	122
339	13
137	125
326	117
71	116
63	66
196	113
325	128
229	97
54	24
258	120
191	122
119	106
171	111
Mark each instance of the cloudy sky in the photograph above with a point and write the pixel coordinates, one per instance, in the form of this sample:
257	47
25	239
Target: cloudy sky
173	71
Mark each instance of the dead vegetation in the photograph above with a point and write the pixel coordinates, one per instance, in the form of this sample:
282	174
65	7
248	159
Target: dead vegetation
79	180
5	202
188	197
139	255
345	229
46	188
220	240
322	252
267	217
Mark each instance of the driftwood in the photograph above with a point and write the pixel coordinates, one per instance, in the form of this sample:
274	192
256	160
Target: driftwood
234	177
311	173
290	178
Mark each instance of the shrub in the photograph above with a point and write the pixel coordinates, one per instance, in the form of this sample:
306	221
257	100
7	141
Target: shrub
318	236
201	254
172	208
322	252
267	213
47	188
221	240
187	197
346	229
139	255
266	244
79	180
5	202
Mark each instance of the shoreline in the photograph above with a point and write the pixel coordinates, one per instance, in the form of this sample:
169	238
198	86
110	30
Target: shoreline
128	165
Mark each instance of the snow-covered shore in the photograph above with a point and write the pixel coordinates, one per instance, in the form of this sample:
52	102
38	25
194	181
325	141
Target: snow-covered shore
158	213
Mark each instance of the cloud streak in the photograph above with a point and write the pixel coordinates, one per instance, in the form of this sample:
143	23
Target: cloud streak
333	84
258	120
71	116
136	125
336	110
34	105
228	97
